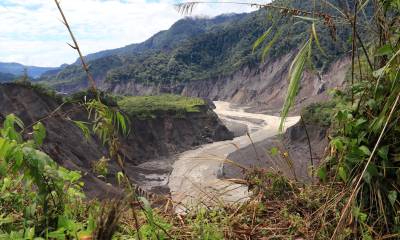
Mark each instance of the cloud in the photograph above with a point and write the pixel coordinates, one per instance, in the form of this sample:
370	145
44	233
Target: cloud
31	33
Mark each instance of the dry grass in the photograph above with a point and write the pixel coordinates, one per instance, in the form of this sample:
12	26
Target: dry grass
279	209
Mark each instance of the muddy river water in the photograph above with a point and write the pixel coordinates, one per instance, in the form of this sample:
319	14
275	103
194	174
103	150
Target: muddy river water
195	176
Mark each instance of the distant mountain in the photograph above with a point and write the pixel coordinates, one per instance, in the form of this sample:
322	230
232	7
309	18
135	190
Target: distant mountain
7	77
72	78
18	69
165	40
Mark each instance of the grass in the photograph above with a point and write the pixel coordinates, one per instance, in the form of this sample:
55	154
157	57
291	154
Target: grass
279	209
151	106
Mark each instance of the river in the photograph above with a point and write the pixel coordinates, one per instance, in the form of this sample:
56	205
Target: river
195	177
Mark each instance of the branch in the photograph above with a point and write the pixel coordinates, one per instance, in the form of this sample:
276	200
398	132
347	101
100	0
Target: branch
92	83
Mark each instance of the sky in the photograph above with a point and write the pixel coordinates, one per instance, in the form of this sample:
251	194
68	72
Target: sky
31	32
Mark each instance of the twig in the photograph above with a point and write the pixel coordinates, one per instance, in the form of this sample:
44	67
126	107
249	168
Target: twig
309	145
76	47
353	49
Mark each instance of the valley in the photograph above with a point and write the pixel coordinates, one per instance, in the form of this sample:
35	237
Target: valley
278	122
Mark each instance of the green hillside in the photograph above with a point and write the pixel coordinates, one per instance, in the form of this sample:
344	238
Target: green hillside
196	49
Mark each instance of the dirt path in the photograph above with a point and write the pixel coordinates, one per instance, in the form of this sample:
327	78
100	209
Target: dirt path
195	175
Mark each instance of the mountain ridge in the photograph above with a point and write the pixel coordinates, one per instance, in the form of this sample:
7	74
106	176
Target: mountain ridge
160	40
18	69
220	50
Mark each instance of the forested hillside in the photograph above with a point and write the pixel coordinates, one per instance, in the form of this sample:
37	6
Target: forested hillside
73	78
204	49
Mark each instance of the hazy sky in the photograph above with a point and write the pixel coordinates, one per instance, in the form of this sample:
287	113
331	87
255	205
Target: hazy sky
31	33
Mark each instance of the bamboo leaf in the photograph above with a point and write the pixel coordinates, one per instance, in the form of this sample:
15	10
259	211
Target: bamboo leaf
385	68
295	74
269	45
262	38
306	18
314	32
84	128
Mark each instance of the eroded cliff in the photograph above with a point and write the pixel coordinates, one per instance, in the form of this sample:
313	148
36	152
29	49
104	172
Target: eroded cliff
150	139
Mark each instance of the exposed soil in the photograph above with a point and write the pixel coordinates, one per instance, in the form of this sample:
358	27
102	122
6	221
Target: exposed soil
294	141
150	139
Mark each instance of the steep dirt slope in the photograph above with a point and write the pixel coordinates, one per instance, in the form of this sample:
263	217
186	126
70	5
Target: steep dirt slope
294	142
263	88
149	139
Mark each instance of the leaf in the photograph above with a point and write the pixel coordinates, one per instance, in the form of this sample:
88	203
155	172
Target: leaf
58	234
84	128
121	122
39	133
360	122
386	67
370	173
343	174
9	128
392	197
383	152
295	75
274	151
269	45
314	32
338	143
362	217
365	150
322	173
306	18
262	38
384	50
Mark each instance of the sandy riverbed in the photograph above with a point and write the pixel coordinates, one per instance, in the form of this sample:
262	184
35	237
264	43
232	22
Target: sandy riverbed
195	177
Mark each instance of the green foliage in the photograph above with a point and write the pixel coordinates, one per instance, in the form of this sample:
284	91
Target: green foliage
156	227
205	225
39	133
270	185
88	95
100	167
365	138
107	122
320	114
37	197
151	106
